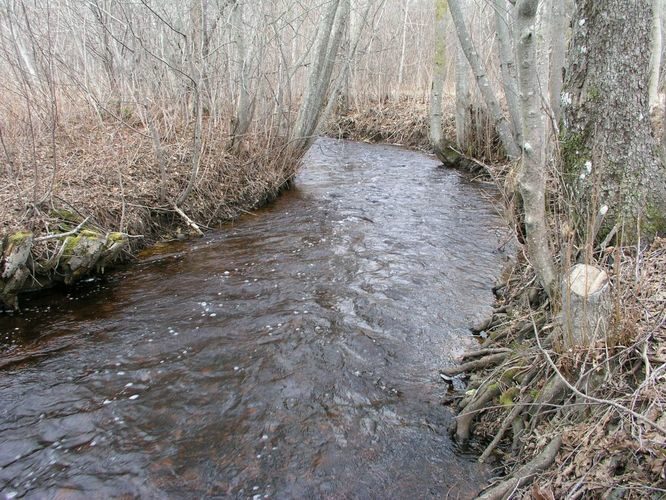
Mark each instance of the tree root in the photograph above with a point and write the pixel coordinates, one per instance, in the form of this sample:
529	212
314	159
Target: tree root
466	418
526	473
485	352
485	362
552	393
508	421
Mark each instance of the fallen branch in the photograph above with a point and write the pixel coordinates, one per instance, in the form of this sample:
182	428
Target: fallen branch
189	221
526	473
476	364
62	235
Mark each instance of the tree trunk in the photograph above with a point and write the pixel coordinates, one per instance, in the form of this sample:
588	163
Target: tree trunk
401	69
609	153
501	123
503	21
438	74
655	54
560	15
586	306
532	176
463	99
245	104
330	31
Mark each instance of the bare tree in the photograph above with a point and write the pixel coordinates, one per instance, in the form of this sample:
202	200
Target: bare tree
478	67
532	175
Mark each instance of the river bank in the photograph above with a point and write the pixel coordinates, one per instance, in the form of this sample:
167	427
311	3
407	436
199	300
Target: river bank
78	202
554	426
292	354
516	390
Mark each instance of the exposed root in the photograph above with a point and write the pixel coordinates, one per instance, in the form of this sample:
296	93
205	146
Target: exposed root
526	474
485	352
477	364
605	403
465	419
508	422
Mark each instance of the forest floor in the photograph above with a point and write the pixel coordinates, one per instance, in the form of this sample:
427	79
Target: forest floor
555	423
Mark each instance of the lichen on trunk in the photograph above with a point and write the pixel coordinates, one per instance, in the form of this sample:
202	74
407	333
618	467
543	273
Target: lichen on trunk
610	155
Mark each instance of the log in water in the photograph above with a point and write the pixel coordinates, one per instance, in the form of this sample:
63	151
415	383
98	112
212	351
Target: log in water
292	354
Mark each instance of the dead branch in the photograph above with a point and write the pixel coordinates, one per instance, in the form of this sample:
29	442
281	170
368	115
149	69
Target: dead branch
526	473
62	235
189	221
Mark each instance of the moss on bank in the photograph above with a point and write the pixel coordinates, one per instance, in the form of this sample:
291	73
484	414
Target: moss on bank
115	184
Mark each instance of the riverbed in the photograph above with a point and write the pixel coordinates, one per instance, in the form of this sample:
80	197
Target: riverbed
291	354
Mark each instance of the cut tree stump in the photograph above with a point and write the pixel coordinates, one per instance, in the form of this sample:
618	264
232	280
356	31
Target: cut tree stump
586	306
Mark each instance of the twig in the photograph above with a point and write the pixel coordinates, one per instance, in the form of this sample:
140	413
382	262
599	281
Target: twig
573	389
62	235
189	221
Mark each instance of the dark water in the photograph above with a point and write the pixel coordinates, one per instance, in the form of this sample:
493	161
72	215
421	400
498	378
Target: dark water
291	355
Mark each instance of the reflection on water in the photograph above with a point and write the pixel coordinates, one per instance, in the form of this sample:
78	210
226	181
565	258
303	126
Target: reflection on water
292	354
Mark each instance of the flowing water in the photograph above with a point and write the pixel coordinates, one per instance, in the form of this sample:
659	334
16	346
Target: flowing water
293	354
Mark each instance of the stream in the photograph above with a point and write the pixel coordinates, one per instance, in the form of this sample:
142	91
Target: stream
291	354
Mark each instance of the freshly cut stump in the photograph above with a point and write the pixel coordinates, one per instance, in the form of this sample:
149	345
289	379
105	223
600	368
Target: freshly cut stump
585	306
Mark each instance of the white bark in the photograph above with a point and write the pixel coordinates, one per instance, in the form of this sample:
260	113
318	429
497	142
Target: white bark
500	121
532	176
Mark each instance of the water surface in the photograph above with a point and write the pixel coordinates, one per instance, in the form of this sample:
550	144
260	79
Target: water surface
292	354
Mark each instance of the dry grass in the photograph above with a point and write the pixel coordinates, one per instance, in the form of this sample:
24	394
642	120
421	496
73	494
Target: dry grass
605	449
110	173
403	123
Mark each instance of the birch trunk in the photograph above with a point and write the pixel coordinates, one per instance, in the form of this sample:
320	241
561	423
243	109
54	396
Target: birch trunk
501	123
503	20
532	175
